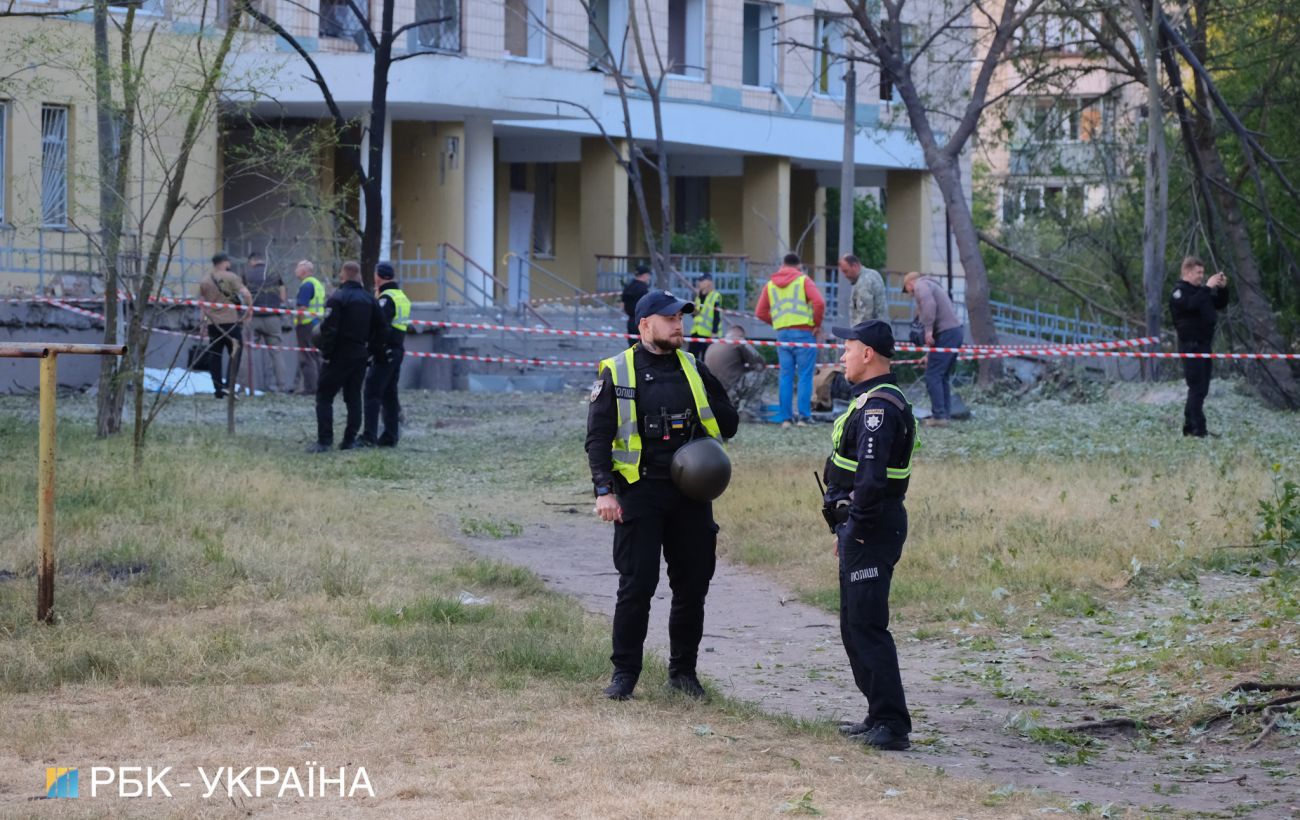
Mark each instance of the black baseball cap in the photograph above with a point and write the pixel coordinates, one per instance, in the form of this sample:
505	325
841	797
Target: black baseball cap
875	334
384	270
704	276
642	270
662	303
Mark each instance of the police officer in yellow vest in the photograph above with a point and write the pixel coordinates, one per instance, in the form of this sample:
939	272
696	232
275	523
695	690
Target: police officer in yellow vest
311	298
706	323
649	401
867	476
386	369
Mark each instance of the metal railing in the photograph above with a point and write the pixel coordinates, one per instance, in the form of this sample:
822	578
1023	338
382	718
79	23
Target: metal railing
461	280
730	275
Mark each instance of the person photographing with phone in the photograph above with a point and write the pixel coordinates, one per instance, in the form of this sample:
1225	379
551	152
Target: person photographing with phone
1194	305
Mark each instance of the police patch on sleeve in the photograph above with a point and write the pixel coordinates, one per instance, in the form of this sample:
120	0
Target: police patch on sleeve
873	419
596	389
1178	293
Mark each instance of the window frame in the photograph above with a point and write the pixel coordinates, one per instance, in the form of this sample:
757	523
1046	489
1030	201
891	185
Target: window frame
545	185
534	32
908	41
615	21
766	44
694	53
827	46
46	223
419	33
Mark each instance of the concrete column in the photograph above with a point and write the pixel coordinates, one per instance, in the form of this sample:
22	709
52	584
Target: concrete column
480	210
766	202
603	206
386	192
917	235
385	187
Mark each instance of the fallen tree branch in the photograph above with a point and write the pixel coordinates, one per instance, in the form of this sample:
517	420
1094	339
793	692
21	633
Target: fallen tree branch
1256	686
1248	709
1269	728
1240	781
1108	724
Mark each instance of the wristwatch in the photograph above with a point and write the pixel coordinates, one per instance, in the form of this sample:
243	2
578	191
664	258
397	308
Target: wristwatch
604	489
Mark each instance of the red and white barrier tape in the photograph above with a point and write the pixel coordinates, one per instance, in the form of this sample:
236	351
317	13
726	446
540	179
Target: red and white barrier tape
1085	350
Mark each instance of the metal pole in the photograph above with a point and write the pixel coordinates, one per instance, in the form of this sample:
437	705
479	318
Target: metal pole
45	491
947	241
847	180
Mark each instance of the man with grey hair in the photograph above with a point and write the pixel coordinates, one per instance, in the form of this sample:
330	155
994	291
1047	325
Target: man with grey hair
311	297
867	301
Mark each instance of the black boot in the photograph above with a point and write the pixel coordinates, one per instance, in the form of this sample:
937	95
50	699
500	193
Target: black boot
621	686
688	684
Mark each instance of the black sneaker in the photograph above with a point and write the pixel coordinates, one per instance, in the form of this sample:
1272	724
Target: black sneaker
318	448
620	687
884	738
854	729
363	442
348	445
688	685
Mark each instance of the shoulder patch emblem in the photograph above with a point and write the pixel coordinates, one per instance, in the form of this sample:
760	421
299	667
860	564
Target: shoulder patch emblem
596	389
1178	293
873	419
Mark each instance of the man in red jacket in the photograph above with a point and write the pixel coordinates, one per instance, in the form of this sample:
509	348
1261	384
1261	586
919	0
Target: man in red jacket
791	303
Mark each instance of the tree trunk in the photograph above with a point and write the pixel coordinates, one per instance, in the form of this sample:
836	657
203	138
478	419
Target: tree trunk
1274	379
372	236
108	411
947	175
1155	189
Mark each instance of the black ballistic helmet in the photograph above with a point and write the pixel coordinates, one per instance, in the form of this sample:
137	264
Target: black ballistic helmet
701	469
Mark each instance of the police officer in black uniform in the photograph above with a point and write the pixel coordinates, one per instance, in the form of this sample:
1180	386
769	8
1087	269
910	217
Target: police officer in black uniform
636	287
630	460
866	477
1194	305
381	391
353	329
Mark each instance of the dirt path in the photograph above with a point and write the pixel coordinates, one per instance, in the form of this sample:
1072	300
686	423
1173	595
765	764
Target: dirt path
762	647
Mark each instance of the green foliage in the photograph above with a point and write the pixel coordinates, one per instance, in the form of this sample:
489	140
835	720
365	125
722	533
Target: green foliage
868	229
701	240
1279	519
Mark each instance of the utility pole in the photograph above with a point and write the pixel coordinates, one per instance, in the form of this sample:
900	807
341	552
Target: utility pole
847	179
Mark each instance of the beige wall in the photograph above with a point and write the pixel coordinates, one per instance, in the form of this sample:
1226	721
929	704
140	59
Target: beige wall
428	194
603	210
766	208
727	211
65	78
915	214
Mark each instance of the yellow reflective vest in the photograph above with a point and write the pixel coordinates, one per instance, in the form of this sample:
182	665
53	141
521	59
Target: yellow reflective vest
705	314
316	305
627	438
402	303
790	306
851	465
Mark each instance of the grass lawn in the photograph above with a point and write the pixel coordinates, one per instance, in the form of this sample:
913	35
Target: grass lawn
240	603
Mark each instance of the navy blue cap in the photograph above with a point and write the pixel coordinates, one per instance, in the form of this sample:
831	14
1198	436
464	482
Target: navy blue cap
662	303
642	270
704	276
875	334
384	270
